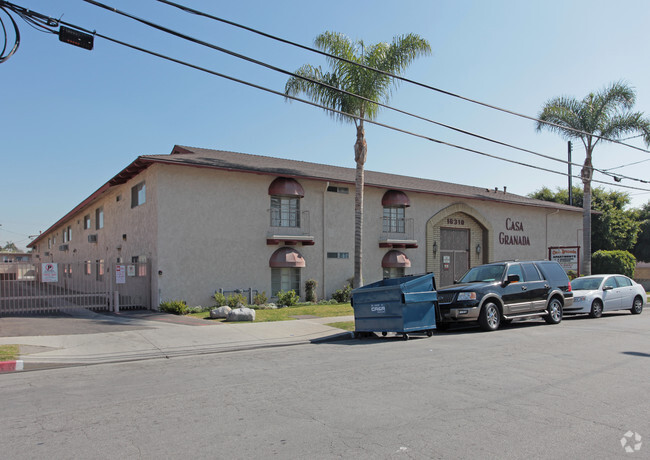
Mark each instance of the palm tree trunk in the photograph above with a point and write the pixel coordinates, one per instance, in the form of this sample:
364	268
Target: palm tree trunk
360	153
587	172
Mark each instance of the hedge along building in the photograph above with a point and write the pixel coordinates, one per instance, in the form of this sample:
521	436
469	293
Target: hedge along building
206	220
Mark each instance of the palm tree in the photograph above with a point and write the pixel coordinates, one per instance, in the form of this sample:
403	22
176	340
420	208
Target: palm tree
605	116
337	88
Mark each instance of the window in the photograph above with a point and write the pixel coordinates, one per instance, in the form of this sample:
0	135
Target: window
394	219
138	195
87	222
140	265
99	218
99	272
515	269
610	283
285	279
335	189
531	272
87	267
338	255
67	234
393	272
623	281
49	243
285	211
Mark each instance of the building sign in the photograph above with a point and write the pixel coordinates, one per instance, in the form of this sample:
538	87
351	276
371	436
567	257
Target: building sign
49	273
513	235
120	274
567	256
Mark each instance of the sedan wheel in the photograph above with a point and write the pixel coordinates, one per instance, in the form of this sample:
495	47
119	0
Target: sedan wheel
490	318
554	312
637	308
596	309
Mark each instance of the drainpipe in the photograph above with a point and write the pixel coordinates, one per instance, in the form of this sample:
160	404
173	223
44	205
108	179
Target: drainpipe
557	211
323	287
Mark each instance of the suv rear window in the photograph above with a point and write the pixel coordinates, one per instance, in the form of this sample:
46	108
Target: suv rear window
553	272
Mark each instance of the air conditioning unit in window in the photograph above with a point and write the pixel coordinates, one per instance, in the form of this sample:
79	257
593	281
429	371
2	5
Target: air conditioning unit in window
92	238
63	247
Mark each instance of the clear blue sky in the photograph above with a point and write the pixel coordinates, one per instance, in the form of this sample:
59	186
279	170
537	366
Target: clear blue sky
71	119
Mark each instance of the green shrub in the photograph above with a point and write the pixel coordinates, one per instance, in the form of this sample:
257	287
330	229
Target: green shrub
260	298
176	307
622	262
235	299
288	298
572	274
219	299
310	290
342	295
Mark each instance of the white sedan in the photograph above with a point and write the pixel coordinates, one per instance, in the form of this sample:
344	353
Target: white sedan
596	294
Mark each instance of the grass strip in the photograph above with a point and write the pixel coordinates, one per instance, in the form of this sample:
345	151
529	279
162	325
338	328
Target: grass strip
9	352
285	314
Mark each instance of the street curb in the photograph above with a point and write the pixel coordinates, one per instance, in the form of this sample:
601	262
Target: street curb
10	366
334	338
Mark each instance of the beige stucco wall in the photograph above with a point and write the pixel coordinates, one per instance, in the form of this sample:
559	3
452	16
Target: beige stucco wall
205	229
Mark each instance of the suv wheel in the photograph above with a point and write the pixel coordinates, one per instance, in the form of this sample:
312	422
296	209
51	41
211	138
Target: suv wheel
554	311
490	317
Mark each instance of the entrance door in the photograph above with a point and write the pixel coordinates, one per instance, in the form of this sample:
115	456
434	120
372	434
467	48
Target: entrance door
454	254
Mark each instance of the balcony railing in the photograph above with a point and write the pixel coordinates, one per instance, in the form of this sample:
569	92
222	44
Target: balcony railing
397	232
291	234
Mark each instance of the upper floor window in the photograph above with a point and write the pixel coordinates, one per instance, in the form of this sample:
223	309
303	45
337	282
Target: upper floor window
67	234
99	218
285	211
285	202
394	220
138	194
395	204
87	222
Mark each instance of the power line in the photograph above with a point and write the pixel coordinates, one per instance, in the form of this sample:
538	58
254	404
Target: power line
265	89
398	77
292	74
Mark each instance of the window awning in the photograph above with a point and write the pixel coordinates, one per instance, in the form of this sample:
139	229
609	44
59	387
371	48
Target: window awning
287	258
395	198
286	186
394	259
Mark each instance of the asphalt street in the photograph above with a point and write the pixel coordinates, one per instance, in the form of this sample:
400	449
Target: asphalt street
531	390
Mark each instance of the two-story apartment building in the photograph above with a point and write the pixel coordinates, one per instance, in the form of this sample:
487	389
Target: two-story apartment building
203	219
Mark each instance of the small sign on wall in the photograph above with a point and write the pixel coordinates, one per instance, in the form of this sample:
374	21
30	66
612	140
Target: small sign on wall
120	274
446	262
130	270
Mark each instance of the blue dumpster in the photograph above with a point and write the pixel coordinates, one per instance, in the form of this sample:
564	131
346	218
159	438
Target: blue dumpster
400	305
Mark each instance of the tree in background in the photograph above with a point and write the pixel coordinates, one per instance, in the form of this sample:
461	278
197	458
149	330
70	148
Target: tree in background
642	246
613	227
392	58
10	247
601	116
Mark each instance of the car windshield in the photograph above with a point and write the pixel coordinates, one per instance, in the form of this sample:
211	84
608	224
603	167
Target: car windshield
483	274
586	284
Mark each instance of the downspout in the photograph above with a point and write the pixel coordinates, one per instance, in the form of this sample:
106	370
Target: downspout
324	256
546	248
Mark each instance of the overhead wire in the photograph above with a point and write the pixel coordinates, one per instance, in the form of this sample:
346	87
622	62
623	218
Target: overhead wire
278	93
16	45
398	77
302	77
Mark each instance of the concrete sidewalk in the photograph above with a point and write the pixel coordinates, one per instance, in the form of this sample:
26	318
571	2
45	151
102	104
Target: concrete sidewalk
147	335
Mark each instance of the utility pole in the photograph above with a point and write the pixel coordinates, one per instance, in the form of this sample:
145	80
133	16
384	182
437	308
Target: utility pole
570	147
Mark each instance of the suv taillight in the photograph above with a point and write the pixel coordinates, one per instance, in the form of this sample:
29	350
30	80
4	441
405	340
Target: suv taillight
569	287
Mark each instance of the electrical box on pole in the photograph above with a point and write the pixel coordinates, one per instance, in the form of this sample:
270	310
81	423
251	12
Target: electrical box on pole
76	38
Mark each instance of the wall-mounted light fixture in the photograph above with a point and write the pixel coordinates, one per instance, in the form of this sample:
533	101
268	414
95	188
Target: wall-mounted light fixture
478	248
435	248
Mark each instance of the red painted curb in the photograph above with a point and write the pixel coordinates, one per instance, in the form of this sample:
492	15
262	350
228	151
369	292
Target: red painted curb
9	366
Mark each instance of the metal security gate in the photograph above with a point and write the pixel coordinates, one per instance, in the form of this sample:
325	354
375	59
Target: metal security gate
454	254
32	288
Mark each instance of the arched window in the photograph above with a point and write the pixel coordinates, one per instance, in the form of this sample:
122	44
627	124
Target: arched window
285	266
285	202
394	264
395	204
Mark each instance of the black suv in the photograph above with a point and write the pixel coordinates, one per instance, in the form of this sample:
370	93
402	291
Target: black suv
500	292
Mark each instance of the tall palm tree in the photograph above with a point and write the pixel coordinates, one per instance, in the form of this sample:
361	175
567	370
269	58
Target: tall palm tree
601	116
324	89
